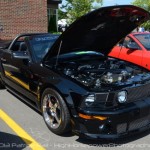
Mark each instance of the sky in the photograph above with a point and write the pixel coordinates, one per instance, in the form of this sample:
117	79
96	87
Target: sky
114	2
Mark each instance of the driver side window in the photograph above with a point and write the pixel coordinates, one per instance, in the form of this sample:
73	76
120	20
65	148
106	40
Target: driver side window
20	45
129	40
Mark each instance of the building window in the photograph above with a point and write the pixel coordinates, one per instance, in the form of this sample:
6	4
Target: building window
52	19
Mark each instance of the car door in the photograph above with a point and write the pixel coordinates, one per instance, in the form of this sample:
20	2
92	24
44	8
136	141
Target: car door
132	55
146	59
17	70
116	50
6	62
143	40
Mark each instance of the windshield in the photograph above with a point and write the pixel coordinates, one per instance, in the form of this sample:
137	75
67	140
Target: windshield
144	40
41	44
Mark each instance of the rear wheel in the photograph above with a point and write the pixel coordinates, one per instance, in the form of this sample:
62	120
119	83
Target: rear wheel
55	112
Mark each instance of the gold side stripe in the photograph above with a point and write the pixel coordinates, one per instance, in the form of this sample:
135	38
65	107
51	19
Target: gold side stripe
17	80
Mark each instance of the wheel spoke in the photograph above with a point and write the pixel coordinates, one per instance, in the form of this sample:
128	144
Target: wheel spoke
52	111
49	101
56	106
51	121
56	117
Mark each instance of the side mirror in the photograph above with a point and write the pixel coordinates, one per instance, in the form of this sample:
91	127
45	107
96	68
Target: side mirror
20	55
132	46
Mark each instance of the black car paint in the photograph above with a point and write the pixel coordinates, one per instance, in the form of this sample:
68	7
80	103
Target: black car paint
31	78
118	123
32	73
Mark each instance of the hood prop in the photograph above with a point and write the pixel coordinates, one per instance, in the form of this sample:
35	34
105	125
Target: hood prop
58	54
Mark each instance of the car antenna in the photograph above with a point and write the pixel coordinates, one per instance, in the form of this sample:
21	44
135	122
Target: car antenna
58	54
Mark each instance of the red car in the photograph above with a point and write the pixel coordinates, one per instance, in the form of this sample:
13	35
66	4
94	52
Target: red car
134	48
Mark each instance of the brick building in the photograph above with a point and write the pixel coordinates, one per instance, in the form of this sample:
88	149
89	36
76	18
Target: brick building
23	16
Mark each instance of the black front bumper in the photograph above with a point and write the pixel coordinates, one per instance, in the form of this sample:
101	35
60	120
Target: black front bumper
122	121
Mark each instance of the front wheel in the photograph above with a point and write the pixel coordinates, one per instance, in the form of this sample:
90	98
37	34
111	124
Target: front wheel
1	84
55	112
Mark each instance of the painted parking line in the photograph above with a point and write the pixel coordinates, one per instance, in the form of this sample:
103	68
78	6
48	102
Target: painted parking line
20	132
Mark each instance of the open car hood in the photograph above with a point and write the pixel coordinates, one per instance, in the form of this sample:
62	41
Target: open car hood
99	30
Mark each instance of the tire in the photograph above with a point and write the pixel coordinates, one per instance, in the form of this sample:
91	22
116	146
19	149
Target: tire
1	84
55	112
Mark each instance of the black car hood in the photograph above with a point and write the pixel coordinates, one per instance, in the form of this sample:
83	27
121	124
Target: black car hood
99	30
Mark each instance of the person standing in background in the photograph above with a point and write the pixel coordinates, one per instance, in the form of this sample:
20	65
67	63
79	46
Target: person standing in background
141	29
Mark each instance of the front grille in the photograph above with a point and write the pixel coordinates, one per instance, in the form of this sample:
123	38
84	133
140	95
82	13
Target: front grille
121	128
100	100
139	92
139	123
133	125
101	97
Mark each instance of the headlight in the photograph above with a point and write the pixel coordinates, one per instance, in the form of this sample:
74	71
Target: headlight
89	100
122	97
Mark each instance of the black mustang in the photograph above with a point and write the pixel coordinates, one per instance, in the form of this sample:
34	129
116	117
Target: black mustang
70	79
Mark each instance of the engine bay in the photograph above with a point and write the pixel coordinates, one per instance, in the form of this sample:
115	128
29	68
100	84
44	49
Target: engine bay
104	74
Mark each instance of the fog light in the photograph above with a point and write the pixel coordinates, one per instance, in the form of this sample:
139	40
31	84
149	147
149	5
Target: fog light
122	97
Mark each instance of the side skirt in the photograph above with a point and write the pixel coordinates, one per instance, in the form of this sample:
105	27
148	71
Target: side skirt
34	105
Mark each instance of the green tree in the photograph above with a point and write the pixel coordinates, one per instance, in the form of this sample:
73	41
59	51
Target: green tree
145	4
62	14
73	9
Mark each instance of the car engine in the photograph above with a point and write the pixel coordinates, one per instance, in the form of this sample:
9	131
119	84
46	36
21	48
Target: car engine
99	75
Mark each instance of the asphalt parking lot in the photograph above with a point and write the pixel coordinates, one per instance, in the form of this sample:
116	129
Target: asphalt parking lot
21	127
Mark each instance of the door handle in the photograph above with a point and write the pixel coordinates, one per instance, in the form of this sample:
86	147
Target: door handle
3	59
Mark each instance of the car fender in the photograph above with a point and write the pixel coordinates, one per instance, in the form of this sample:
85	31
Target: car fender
69	90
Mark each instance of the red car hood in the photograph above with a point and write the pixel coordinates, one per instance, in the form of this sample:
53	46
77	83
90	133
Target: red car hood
99	30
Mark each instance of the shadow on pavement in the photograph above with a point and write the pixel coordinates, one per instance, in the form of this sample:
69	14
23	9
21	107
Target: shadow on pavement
13	142
113	143
27	102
